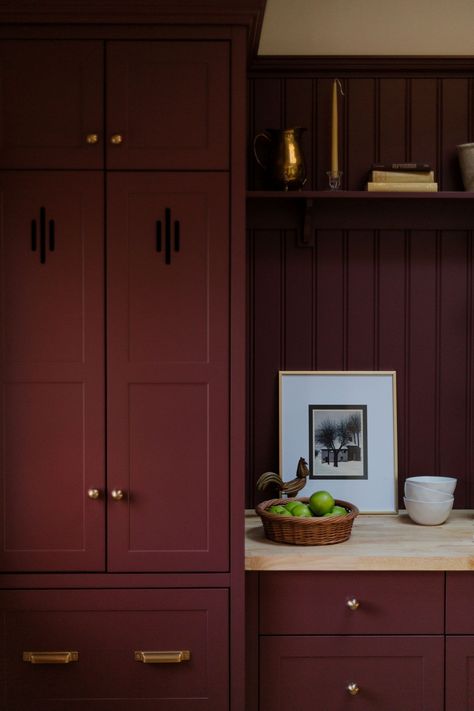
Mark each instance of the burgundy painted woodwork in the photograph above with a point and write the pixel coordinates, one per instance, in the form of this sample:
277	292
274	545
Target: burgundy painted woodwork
459	595
46	123
392	673
106	628
170	101
408	603
168	400
460	673
52	371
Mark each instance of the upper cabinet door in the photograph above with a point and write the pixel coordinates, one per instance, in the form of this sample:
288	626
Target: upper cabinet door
51	106
168	352
52	368
168	105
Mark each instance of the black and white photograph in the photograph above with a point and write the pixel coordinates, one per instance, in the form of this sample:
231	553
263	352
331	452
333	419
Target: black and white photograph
337	441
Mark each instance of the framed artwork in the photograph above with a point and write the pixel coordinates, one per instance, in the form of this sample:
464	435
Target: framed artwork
344	424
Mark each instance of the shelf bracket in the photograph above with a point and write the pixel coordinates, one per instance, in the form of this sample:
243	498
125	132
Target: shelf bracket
306	235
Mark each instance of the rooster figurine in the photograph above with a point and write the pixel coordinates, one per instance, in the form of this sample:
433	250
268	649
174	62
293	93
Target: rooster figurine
288	488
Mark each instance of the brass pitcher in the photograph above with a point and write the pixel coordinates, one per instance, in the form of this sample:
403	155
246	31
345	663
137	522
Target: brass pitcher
285	167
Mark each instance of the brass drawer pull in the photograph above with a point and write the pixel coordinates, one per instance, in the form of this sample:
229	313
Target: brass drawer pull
182	655
353	689
50	657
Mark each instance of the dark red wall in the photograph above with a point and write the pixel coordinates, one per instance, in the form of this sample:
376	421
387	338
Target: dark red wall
387	285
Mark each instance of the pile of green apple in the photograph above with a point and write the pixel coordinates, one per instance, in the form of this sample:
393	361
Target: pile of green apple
321	503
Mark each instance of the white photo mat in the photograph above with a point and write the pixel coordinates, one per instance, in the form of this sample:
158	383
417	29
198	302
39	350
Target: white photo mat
311	399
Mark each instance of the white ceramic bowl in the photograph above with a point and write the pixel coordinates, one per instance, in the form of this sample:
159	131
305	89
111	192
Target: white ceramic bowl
428	513
425	493
442	483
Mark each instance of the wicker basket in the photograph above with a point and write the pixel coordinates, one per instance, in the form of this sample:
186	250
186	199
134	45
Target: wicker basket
315	531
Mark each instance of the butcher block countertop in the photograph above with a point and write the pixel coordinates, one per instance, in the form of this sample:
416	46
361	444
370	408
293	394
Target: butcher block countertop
377	542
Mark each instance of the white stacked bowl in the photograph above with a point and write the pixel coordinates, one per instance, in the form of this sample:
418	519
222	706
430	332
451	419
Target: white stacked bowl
429	499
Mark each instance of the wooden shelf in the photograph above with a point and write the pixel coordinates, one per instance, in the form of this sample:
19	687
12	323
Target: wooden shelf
309	210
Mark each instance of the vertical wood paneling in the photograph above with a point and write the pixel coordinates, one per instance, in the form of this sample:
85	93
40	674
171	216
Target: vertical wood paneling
423	355
393	328
360	301
298	307
453	320
392	135
361	143
423	122
454	129
322	125
265	349
330	300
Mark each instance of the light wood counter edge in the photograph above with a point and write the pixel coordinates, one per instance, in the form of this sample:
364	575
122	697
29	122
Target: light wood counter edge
377	542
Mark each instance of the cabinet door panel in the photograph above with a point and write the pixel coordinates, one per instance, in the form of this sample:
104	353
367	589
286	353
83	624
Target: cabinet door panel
459	596
170	102
460	673
168	371
106	629
51	99
52	414
392	673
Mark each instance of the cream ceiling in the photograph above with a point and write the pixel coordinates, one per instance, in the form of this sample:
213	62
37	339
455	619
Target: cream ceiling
361	27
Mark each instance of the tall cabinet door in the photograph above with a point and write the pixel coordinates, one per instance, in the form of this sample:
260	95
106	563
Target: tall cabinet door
51	104
168	400
52	350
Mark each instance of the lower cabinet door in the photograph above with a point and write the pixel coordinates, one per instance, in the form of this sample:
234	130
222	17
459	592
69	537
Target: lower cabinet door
366	673
69	650
460	673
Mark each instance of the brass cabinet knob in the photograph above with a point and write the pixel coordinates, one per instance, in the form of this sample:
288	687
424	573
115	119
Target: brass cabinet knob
116	139
353	604
353	689
93	493
92	138
117	494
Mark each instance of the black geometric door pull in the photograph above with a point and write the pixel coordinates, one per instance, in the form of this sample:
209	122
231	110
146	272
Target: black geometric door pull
176	236
42	235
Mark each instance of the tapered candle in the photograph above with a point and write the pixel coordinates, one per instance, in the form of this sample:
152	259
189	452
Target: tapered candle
334	134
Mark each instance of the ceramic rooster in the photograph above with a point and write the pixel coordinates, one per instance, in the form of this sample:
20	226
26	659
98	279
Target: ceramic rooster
287	488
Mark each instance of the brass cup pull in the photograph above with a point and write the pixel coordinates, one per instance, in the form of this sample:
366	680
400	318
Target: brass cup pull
353	689
117	494
353	604
93	493
92	138
50	657
175	657
116	139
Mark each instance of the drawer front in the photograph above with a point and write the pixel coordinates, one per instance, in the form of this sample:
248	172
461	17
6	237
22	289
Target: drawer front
351	603
459	597
116	635
389	673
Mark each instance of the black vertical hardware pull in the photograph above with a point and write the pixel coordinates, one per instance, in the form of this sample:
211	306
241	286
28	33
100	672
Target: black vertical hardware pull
46	241
172	236
167	236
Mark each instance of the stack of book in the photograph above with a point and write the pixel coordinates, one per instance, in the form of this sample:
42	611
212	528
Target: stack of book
402	177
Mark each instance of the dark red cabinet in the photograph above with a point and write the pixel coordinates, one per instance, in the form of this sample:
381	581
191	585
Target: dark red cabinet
52	346
167	104
168	370
116	640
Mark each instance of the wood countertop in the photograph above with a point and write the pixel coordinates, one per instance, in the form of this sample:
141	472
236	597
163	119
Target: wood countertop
377	542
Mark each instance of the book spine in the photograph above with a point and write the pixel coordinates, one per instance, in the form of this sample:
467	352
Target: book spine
402	166
402	187
386	176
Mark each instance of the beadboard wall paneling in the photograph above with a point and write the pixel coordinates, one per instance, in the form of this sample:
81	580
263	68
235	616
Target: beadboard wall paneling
382	118
368	299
